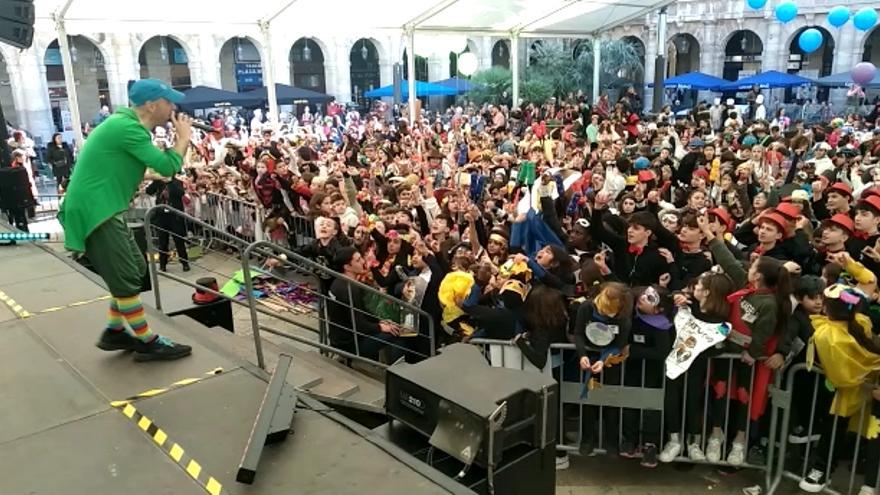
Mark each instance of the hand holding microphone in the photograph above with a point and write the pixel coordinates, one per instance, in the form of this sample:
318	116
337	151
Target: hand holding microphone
183	125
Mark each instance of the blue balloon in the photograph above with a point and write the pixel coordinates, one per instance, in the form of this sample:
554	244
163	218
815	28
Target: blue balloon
786	11
865	19
838	16
756	4
810	40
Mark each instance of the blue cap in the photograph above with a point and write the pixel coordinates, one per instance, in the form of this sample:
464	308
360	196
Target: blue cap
146	90
749	141
642	163
696	143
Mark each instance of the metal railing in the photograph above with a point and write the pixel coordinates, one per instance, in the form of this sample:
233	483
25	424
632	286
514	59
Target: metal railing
286	265
231	215
624	409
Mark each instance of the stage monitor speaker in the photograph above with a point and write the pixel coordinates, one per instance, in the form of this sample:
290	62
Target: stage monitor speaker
15	188
17	22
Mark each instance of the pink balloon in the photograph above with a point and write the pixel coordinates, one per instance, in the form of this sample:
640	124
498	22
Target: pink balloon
863	73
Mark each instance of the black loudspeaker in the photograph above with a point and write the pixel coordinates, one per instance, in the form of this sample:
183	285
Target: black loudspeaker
17	22
15	189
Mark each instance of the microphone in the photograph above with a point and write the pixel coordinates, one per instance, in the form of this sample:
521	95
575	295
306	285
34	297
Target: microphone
198	124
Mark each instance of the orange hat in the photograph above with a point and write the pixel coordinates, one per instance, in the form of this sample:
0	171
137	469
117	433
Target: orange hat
872	201
788	210
841	220
776	219
724	217
841	188
646	176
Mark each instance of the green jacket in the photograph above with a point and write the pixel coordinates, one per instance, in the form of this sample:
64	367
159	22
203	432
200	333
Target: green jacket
763	305
108	171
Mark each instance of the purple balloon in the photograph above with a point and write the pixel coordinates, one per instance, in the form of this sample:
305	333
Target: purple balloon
863	73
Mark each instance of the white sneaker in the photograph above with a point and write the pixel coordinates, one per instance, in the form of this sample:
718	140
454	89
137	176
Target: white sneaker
737	454
866	490
562	463
713	450
815	481
671	450
695	453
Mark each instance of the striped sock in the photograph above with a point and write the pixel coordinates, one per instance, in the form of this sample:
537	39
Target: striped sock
133	312
114	318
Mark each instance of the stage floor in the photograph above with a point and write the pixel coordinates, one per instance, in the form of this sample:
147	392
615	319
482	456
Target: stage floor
60	433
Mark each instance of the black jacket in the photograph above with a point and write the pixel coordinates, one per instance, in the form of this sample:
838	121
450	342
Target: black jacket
339	312
634	269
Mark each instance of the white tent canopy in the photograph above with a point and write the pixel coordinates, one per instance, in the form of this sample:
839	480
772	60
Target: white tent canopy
510	18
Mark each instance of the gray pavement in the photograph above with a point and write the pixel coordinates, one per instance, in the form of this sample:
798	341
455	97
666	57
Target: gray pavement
61	435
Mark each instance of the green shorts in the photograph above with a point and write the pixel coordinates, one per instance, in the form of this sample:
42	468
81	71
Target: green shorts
114	254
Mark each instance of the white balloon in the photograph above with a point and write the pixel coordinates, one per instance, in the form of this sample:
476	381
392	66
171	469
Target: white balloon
467	63
439	44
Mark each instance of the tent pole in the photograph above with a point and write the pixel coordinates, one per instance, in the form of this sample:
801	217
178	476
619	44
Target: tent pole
514	69
269	73
411	73
660	62
69	78
597	61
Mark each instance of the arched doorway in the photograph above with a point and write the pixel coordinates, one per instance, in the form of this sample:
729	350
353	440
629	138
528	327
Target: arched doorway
501	54
636	77
364	69
307	66
872	47
813	65
535	51
421	67
240	67
742	55
93	92
162	57
684	55
9	112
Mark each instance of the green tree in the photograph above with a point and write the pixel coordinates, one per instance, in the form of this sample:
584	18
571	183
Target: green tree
489	85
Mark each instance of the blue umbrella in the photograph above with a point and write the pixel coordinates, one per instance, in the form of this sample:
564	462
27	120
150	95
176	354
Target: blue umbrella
460	85
695	80
769	79
844	79
422	89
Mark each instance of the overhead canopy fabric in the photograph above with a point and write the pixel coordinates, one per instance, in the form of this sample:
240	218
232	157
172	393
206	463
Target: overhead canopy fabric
205	97
422	89
290	95
547	18
769	79
695	80
460	85
844	79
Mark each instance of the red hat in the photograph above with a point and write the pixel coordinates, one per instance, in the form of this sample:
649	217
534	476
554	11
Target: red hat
790	211
702	172
873	191
841	188
201	296
872	201
724	217
776	218
841	220
646	176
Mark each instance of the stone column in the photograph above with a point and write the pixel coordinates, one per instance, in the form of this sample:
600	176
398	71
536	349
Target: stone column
121	66
28	79
208	61
486	45
339	70
775	55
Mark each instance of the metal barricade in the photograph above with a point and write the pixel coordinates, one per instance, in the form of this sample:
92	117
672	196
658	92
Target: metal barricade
302	229
413	342
285	269
230	215
627	406
814	439
47	206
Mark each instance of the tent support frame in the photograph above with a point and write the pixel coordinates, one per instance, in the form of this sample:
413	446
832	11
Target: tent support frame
69	77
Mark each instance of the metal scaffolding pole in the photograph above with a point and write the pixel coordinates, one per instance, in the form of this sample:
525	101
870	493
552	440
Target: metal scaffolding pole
269	74
411	73
69	77
514	69
597	60
660	62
